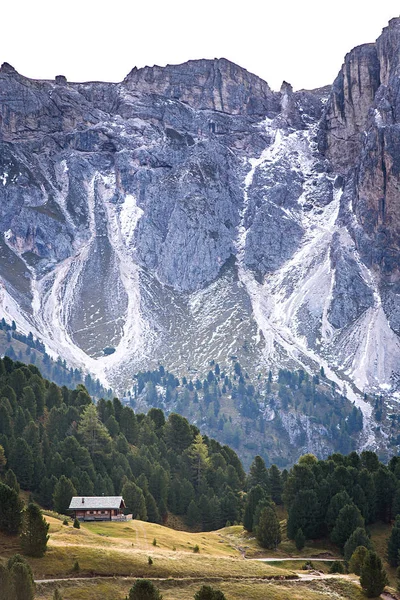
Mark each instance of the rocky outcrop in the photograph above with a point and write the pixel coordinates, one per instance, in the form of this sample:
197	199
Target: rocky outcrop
190	213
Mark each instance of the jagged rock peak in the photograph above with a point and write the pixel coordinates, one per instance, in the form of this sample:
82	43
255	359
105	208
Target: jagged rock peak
216	84
8	69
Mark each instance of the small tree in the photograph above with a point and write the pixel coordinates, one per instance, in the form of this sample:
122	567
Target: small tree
373	577
5	583
357	560
268	531
206	592
77	525
34	536
359	537
63	492
21	577
143	589
300	539
10	510
337	567
349	519
393	546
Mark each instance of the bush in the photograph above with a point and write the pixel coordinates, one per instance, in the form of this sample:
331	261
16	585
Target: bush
143	589
337	567
154	542
196	549
76	568
300	539
65	522
77	525
150	560
206	592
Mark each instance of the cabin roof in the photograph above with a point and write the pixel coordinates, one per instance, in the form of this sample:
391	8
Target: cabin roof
96	502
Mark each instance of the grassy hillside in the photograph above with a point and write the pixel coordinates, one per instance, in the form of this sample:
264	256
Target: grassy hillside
111	555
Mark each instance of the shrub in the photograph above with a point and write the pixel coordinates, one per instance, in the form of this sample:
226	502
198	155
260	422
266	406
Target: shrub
77	525
154	542
150	560
196	549
206	592
337	567
143	589
76	568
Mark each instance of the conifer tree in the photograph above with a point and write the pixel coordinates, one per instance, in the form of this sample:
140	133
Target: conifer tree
348	520
143	589
373	577
268	530
10	510
34	536
393	546
64	490
300	539
21	576
359	537
357	559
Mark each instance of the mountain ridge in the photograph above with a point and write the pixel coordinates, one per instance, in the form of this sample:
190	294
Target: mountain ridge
190	212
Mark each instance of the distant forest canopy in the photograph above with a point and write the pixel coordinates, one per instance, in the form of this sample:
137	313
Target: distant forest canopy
278	416
28	350
273	416
56	443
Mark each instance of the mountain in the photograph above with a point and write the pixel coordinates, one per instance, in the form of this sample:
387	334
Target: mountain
190	213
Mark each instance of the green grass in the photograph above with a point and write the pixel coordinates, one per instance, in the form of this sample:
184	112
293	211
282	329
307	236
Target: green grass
332	589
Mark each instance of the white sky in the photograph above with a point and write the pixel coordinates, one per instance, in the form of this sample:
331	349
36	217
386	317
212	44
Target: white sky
302	42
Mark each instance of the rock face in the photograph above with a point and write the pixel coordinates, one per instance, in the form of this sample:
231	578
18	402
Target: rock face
190	213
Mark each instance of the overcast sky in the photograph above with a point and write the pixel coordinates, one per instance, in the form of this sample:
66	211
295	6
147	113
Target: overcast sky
302	42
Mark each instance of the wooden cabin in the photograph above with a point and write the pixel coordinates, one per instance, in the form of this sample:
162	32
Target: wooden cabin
98	508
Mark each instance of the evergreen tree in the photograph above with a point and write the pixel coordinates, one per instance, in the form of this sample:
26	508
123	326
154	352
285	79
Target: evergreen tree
275	482
143	589
5	583
206	592
135	501
34	536
258	474
373	577
349	519
21	577
11	480
64	490
305	514
337	502
198	457
359	537
393	545
357	560
254	496
94	434
300	539
178	435
193	515
22	463
268	530
10	510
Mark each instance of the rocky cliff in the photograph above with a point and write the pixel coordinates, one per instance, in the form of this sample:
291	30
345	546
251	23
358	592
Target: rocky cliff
190	213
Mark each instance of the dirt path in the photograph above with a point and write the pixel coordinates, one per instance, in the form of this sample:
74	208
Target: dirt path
284	558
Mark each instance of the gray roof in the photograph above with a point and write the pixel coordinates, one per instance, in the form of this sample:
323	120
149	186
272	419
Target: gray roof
96	502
